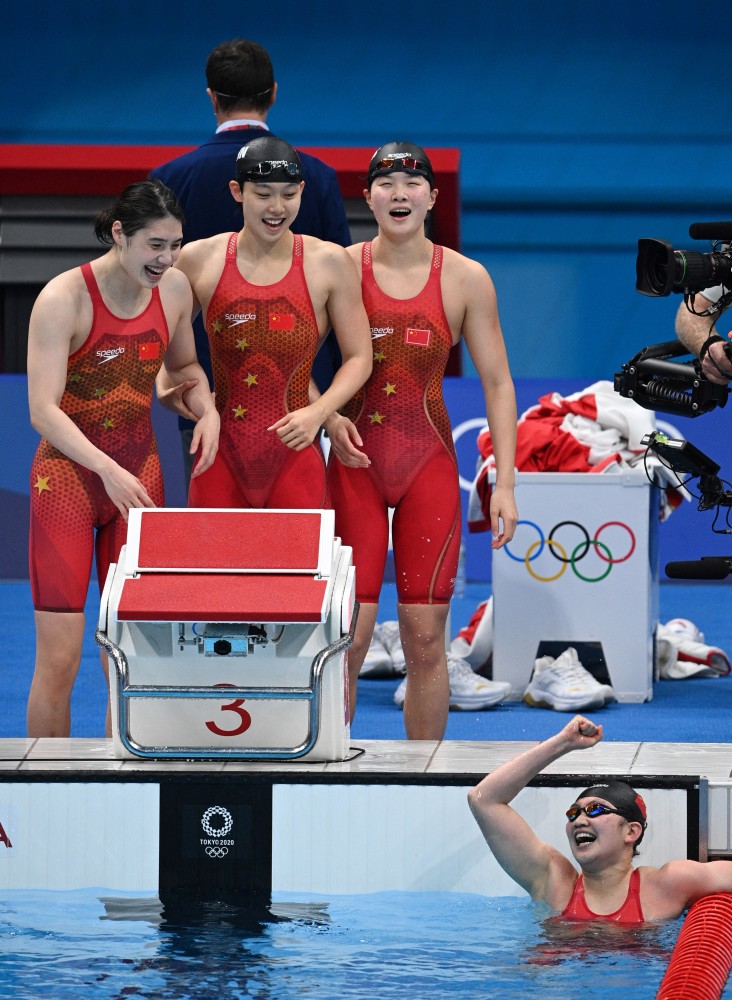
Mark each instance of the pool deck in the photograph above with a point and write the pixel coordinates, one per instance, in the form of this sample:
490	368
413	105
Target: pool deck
378	760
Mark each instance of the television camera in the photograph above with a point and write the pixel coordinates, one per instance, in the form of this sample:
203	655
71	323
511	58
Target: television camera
652	378
656	381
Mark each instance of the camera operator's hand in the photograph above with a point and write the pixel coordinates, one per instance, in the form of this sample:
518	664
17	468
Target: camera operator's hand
694	332
716	365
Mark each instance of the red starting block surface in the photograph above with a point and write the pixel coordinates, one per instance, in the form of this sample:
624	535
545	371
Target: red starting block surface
220	541
162	597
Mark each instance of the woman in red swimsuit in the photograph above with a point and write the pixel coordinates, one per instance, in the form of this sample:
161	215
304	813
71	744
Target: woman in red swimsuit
604	827
98	336
393	443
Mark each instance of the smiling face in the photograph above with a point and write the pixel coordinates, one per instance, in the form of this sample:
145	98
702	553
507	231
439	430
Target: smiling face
269	209
149	252
600	839
400	201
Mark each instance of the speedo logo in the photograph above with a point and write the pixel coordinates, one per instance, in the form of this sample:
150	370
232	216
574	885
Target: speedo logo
110	354
236	318
381	331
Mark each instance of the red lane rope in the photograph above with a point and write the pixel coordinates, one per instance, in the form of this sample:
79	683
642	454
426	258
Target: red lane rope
702	957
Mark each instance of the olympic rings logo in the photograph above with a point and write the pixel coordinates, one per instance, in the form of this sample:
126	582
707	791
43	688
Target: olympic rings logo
221	831
577	553
217	852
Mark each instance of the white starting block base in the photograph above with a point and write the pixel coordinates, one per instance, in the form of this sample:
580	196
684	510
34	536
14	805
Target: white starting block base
260	603
581	570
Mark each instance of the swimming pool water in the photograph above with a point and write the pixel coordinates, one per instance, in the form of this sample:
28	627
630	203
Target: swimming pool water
421	946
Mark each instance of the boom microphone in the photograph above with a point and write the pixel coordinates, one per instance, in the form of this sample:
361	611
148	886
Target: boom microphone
711	231
706	568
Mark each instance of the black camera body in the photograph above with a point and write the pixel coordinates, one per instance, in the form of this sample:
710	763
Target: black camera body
661	270
657	382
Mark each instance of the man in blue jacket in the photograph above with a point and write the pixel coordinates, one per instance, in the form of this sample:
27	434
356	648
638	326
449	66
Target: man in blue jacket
242	89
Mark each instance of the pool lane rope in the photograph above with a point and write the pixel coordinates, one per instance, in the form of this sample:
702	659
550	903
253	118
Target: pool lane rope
702	957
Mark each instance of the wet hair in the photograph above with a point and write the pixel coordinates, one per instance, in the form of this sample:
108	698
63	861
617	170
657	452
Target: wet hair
626	800
392	157
139	204
240	73
268	159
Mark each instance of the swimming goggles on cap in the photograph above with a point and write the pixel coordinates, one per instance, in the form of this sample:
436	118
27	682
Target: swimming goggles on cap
266	167
404	162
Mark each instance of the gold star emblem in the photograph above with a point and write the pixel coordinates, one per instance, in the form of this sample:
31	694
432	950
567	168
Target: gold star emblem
251	380
216	326
74	377
242	344
239	411
390	389
379	356
100	392
376	418
41	484
108	424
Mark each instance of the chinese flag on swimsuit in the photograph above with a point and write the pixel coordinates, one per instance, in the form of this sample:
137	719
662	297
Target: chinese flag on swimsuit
149	350
282	321
417	338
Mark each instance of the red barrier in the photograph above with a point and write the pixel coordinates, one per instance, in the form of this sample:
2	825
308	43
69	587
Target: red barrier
105	170
702	956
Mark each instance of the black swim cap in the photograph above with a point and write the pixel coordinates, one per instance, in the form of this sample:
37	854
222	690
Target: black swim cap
625	799
404	156
268	160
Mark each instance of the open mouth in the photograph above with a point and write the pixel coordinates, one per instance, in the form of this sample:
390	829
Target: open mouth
154	272
584	837
400	213
273	224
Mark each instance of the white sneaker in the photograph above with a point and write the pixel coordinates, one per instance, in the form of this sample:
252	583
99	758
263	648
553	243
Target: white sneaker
564	685
469	692
400	694
686	654
378	661
393	644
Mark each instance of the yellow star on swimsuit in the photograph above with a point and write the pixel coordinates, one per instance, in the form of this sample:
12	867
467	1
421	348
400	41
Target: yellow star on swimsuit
242	344
216	326
239	411
251	380
74	377
108	424
41	484
390	389
376	418
101	391
379	356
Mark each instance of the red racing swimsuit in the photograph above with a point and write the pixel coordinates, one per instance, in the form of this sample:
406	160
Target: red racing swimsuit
630	912
403	422
263	342
108	395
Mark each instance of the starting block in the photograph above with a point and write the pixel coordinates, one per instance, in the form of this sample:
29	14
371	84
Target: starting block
258	602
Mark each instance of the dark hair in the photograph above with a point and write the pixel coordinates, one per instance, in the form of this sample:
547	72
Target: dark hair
138	205
240	73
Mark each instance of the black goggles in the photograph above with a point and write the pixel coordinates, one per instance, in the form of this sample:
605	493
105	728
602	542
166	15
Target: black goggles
593	809
401	163
266	167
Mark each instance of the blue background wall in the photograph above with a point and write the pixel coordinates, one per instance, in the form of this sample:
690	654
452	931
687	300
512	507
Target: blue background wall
582	126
